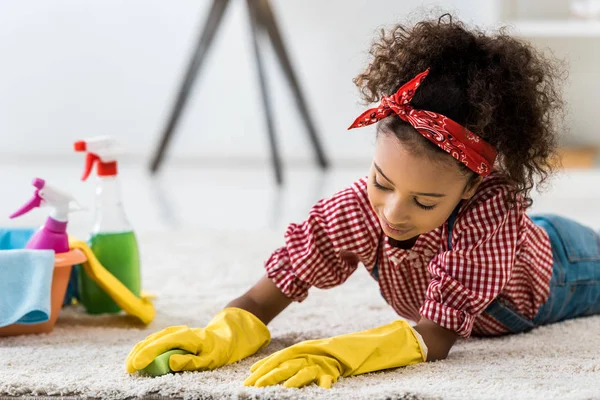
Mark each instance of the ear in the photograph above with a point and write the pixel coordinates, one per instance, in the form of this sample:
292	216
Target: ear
471	188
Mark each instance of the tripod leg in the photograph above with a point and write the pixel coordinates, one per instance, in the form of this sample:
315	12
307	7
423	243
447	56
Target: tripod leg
213	21
256	31
267	18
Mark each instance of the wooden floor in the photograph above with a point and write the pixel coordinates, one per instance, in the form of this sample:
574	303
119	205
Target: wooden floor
578	157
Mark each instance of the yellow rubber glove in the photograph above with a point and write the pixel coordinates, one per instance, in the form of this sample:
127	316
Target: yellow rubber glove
232	335
324	361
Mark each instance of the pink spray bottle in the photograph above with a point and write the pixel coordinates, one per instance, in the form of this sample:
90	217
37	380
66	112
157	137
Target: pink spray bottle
53	235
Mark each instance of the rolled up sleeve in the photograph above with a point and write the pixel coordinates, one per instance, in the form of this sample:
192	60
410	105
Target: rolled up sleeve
325	249
469	277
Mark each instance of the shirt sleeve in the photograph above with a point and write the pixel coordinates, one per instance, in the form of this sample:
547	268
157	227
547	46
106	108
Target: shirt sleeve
469	277
325	249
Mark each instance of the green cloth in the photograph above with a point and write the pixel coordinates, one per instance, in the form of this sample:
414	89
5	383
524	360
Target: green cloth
160	365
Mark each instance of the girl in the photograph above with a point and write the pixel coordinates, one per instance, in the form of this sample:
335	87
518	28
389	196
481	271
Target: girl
465	129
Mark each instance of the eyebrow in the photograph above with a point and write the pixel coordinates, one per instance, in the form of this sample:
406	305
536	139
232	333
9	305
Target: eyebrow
414	193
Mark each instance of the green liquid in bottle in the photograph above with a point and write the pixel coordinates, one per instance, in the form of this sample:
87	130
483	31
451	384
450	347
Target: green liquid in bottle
118	253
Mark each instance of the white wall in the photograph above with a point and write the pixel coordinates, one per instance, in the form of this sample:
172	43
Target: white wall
74	69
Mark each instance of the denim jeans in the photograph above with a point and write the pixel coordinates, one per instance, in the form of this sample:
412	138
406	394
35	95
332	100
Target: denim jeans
575	283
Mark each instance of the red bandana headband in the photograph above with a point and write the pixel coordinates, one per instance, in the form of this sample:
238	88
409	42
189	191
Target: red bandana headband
450	136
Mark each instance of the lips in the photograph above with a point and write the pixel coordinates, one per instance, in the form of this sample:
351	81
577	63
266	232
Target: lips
395	229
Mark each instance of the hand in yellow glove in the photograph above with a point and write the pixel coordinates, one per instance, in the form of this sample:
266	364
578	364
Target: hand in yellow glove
324	361
232	335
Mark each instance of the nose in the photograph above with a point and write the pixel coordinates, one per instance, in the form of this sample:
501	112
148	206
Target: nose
395	212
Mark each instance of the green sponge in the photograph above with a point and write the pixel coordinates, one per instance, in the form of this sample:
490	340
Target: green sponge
160	365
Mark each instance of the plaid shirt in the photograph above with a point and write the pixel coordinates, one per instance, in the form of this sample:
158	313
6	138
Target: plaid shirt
497	251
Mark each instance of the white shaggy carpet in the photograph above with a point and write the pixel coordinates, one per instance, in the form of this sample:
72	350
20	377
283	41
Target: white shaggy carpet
195	275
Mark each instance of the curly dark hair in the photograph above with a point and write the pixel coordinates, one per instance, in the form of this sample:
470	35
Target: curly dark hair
498	87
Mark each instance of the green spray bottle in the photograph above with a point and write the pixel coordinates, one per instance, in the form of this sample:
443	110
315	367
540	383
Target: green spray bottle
112	239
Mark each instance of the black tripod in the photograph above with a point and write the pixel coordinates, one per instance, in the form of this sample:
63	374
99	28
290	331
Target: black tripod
261	20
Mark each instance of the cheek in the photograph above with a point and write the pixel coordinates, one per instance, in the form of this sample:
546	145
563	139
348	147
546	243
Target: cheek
430	220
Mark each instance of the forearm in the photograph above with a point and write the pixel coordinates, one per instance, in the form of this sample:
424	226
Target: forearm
246	303
438	340
264	300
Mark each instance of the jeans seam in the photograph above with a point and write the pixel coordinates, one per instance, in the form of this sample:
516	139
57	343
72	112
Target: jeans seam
565	303
548	304
583	259
583	283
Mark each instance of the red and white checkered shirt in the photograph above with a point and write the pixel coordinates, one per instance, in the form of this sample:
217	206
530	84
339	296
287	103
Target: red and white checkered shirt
497	251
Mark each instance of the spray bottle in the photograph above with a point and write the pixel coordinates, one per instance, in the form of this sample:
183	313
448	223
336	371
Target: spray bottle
53	234
112	238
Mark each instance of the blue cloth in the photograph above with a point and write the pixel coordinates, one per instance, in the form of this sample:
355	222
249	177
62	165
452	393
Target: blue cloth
25	279
575	283
16	238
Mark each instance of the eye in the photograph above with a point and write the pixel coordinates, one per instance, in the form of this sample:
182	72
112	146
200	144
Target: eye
379	186
423	206
386	189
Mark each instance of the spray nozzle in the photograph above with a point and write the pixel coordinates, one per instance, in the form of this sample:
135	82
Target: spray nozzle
102	151
46	195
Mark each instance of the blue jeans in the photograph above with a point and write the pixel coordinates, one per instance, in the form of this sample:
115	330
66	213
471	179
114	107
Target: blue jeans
575	283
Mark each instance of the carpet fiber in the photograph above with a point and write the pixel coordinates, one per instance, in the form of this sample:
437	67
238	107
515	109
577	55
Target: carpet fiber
195	275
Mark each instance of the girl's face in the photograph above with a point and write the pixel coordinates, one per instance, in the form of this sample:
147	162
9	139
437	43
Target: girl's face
410	193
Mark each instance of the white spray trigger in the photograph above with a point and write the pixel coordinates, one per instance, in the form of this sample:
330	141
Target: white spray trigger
75	206
60	202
